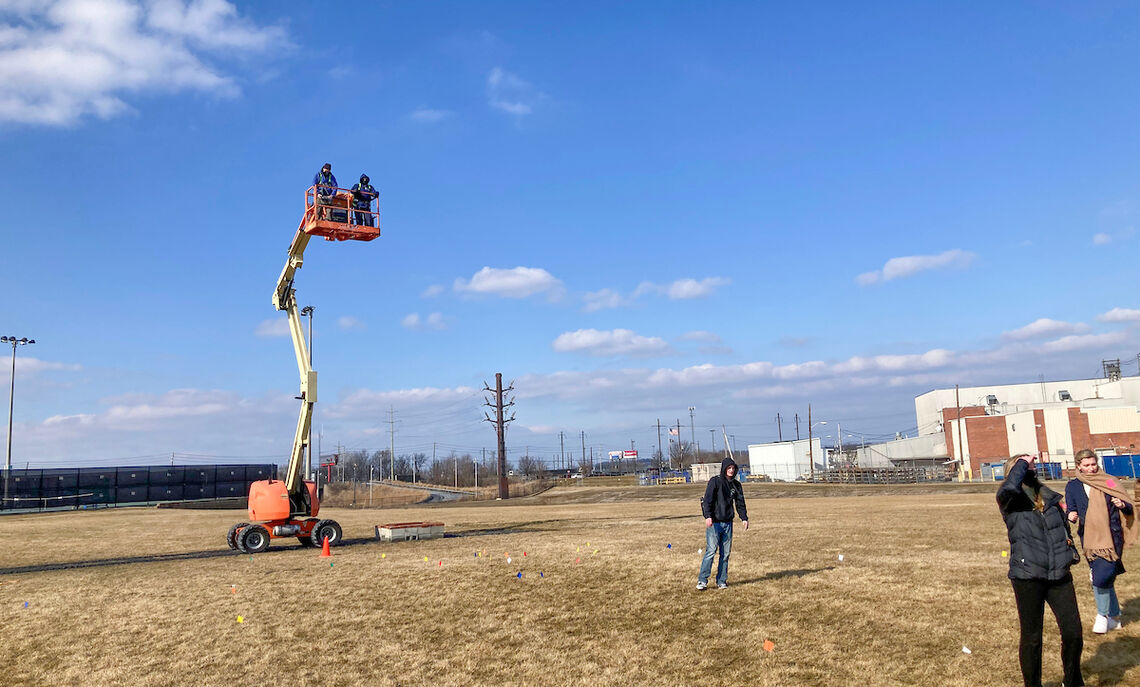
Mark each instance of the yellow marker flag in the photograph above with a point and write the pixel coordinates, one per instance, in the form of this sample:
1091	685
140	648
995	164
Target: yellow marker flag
241	619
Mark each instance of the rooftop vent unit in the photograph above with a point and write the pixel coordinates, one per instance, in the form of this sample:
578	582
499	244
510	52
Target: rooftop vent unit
991	400
1064	395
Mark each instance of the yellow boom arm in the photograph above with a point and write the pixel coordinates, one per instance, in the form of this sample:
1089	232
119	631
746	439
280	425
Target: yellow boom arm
284	298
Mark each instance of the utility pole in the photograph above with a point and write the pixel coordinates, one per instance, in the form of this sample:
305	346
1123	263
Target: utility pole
779	428
583	448
958	452
562	448
659	454
500	426
797	426
392	447
712	439
811	449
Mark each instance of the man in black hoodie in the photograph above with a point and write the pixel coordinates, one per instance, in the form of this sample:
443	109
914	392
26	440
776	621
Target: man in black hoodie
721	495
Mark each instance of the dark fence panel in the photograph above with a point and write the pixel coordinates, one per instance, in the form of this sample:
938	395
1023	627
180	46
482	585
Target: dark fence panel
229	473
225	490
132	477
90	479
56	488
170	475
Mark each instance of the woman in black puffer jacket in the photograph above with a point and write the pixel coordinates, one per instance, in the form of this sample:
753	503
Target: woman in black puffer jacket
1040	553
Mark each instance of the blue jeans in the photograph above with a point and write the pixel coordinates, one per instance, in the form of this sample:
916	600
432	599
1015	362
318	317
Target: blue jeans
717	536
1104	586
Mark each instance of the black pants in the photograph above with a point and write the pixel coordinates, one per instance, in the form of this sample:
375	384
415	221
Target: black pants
1062	598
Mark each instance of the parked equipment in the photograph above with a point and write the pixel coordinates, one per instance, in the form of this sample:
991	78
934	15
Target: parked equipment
289	507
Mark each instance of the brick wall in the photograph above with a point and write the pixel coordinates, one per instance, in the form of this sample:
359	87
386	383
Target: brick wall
1042	439
949	417
988	441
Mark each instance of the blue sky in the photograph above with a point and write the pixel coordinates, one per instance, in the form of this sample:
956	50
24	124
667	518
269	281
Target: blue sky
629	210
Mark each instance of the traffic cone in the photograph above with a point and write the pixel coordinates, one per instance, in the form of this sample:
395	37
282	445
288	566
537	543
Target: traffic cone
325	553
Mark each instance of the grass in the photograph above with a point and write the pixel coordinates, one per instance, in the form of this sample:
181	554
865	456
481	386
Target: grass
922	576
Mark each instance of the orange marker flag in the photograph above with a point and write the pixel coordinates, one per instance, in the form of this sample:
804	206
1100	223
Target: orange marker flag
769	645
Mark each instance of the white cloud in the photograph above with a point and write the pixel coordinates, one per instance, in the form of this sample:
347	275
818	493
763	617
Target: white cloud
603	299
516	282
608	343
61	60
907	266
1102	239
1120	315
28	366
1042	328
434	321
349	323
699	335
1081	342
683	289
278	326
509	93
427	115
432	291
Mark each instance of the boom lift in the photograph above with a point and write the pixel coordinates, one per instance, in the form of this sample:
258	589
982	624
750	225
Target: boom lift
289	507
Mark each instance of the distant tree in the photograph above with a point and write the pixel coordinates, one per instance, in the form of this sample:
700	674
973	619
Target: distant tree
681	454
529	465
419	460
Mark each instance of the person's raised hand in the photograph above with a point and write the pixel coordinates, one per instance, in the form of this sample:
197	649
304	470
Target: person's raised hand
1117	502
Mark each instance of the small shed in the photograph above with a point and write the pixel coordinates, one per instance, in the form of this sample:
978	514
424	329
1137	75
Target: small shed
703	472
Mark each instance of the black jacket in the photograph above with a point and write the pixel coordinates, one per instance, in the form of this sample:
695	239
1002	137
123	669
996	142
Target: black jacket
721	494
1040	546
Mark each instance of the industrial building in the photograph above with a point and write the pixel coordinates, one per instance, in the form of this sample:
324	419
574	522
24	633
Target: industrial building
784	461
972	426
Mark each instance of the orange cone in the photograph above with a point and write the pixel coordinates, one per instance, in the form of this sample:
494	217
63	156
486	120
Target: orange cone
325	553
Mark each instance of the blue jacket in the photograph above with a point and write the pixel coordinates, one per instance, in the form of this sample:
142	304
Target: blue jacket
362	196
1077	501
325	183
1040	547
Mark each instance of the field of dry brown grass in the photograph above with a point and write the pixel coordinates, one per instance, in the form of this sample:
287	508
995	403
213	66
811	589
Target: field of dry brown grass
152	597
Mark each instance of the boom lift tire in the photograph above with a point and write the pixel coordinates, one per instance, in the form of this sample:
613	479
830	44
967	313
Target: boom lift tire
309	540
327	528
231	536
254	539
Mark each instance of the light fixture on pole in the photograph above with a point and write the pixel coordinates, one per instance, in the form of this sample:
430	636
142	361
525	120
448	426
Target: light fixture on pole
11	396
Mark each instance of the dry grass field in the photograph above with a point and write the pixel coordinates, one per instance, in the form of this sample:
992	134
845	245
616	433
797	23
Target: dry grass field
152	597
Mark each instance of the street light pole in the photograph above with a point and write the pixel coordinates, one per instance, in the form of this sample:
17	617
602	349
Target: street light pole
308	311
693	431
11	400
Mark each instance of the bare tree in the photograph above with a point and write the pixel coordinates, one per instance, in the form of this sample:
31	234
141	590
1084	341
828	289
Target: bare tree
681	454
529	465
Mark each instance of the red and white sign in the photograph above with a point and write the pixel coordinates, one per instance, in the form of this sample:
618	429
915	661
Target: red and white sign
629	455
